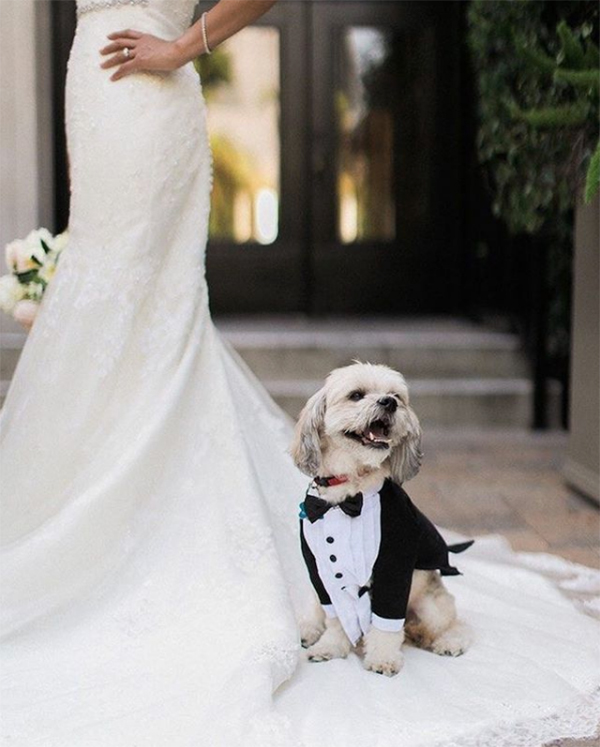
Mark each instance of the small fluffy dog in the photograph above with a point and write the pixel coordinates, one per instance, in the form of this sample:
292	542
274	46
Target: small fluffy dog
374	559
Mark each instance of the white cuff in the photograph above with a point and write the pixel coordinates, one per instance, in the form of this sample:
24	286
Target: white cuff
384	623
329	610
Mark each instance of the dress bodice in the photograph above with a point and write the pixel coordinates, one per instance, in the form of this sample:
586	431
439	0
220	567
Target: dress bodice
171	15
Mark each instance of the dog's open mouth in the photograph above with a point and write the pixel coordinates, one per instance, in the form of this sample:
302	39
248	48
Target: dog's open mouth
375	435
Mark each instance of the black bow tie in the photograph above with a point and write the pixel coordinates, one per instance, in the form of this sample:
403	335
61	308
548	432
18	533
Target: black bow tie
316	507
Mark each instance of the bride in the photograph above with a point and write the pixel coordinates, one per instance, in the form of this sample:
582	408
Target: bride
152	579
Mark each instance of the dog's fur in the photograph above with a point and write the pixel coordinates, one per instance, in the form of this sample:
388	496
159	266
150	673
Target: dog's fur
351	427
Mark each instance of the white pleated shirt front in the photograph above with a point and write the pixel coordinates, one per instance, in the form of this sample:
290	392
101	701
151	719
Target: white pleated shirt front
345	550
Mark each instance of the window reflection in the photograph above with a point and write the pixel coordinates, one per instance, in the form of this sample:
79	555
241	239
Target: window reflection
365	127
241	83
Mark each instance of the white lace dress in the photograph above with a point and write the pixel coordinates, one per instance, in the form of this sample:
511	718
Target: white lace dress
150	560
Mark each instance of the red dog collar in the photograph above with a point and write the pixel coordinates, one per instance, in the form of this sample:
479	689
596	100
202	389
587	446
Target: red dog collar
329	482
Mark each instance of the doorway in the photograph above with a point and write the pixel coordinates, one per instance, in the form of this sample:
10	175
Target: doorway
352	203
336	129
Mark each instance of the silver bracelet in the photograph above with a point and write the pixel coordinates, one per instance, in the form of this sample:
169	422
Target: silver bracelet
207	49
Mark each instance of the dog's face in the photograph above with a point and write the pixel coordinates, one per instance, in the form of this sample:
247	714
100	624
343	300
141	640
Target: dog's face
362	411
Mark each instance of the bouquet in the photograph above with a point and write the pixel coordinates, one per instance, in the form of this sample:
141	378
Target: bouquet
32	262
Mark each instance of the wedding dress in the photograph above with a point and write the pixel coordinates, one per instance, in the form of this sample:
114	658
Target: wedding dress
151	568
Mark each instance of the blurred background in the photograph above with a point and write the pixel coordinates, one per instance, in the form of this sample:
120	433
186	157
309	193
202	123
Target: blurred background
400	182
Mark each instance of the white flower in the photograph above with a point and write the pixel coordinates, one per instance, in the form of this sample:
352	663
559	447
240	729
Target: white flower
19	252
16	255
34	291
11	292
33	241
47	271
59	242
25	312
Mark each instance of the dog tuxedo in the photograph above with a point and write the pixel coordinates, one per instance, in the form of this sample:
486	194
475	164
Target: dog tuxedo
361	555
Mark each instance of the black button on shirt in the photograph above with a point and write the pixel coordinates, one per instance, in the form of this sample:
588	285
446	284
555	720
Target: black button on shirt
339	575
329	539
332	558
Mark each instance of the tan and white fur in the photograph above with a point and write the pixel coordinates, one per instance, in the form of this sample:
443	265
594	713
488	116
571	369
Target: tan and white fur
360	425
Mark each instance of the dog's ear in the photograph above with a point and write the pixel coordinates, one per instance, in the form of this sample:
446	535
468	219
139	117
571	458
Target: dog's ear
306	444
406	458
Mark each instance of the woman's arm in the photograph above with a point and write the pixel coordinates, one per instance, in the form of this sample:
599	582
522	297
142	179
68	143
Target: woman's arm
148	52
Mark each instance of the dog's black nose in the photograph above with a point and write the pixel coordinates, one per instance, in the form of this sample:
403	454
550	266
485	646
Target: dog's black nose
388	403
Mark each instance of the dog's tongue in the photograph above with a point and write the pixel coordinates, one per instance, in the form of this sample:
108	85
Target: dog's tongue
377	430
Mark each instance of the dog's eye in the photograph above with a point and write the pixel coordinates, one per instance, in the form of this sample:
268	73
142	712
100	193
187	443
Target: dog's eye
356	395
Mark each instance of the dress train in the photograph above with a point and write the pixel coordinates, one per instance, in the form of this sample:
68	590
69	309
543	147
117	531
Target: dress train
151	569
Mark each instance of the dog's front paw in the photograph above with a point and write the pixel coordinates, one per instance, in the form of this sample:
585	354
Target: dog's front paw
383	652
310	632
389	667
333	644
454	641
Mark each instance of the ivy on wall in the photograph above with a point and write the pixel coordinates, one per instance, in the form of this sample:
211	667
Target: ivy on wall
537	130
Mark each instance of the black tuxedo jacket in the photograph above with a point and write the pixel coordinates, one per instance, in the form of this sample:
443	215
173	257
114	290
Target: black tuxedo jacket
409	541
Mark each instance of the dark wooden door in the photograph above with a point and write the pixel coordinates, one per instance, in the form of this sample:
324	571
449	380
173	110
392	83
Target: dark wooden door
386	157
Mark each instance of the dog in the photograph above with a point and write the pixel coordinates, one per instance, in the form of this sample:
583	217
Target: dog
377	573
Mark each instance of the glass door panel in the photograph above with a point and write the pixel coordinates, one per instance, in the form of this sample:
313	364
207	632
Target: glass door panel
242	89
385	104
366	204
255	85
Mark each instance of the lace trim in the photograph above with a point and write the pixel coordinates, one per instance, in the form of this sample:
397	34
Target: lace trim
86	7
579	720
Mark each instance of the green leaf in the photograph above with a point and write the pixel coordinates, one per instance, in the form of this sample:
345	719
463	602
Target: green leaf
592	56
567	115
33	258
45	246
543	62
571	46
579	78
592	179
27	276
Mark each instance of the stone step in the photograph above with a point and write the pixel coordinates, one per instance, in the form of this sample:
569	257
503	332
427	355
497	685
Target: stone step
427	352
459	374
288	352
484	403
460	403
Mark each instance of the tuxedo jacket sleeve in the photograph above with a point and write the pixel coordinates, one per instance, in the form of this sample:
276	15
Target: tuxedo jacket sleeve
408	541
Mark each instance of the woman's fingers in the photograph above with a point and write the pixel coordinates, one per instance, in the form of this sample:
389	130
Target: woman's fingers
149	52
117	46
117	59
126	34
125	69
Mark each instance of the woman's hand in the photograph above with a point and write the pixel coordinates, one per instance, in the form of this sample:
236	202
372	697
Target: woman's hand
146	52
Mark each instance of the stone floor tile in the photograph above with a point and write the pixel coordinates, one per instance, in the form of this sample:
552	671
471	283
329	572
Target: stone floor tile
584	555
526	540
508	483
581	530
553	499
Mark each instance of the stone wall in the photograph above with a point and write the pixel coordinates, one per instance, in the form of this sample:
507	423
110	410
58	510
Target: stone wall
26	188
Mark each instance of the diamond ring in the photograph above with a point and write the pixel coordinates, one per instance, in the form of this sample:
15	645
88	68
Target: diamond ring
126	52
